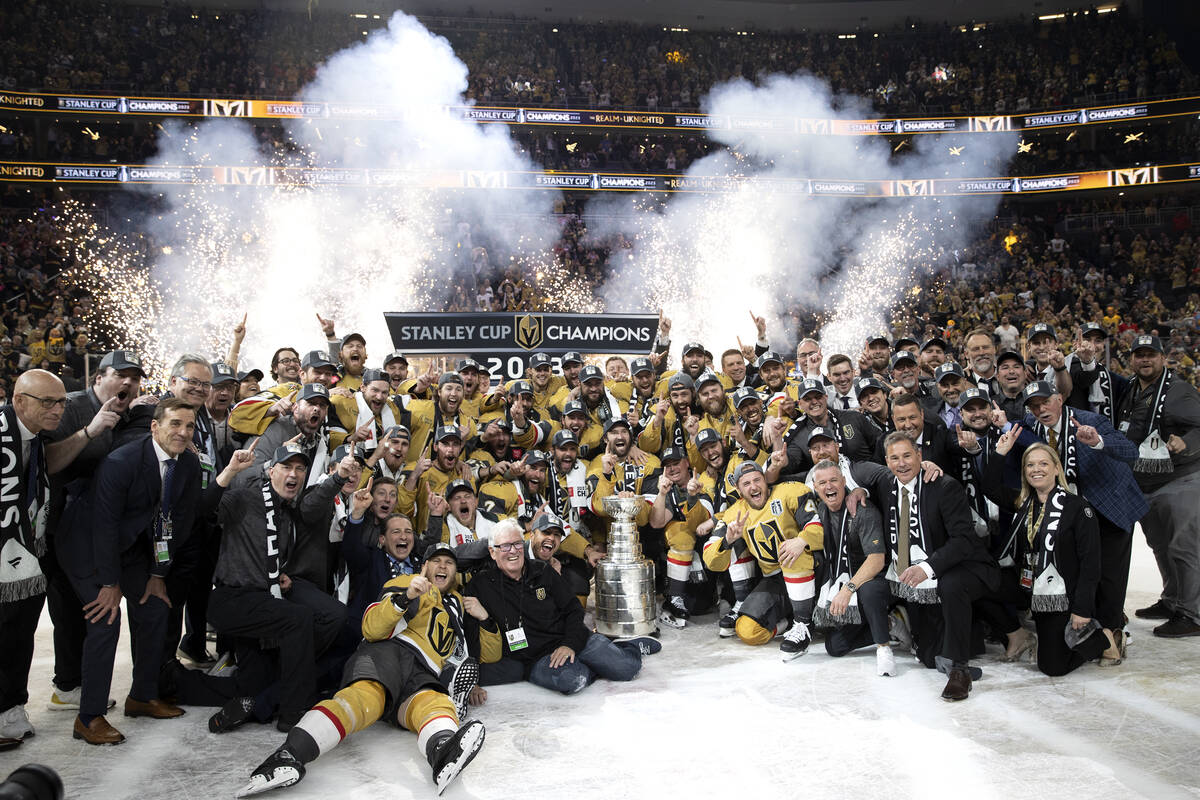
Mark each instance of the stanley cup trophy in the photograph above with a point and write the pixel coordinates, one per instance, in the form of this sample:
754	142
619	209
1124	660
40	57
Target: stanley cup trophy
625	580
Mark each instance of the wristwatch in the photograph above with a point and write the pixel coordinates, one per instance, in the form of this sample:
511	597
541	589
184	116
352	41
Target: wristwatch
852	586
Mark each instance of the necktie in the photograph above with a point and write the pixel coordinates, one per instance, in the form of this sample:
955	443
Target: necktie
845	402
34	476
902	535
955	417
1052	436
168	485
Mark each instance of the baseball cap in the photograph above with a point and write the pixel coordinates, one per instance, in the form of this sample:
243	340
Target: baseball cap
549	521
450	377
397	431
316	358
693	346
1009	355
537	457
499	422
395	355
810	385
222	373
313	390
613	422
573	357
257	374
818	432
745	468
707	435
1092	327
447	432
971	395
935	341
573	407
459	485
680	380
439	549
1038	389
879	337
673	454
639	365
949	368
466	364
1039	329
903	340
902	355
520	387
564	438
590	373
539	360
767	358
744	394
1148	341
289	451
863	384
122	359
349	337
708	376
372	375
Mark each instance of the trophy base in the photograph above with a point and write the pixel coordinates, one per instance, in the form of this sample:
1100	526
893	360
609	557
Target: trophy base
625	604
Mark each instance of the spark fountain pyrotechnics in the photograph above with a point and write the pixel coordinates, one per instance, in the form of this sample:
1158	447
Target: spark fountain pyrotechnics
206	255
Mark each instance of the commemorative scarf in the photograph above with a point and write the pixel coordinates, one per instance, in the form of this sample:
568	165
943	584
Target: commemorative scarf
274	546
924	593
461	534
22	512
365	415
1100	395
836	537
317	447
1153	455
570	495
1064	433
608	407
1038	525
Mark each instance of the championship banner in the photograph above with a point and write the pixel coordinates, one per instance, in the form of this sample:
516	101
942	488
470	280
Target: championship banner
443	333
252	108
39	172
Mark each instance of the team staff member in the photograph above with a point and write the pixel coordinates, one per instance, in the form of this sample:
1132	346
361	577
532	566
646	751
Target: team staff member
532	626
37	407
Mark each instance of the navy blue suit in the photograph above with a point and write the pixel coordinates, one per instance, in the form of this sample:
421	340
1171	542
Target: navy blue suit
106	539
1105	480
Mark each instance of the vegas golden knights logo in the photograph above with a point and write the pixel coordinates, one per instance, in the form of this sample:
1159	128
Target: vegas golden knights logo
226	108
819	127
529	331
913	188
990	124
1127	177
484	180
255	176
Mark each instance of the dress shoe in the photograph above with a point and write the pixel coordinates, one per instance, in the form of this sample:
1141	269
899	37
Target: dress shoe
151	708
1156	611
9	744
1177	627
959	685
98	732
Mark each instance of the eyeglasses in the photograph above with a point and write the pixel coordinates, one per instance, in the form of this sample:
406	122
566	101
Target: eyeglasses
197	384
509	547
47	402
288	361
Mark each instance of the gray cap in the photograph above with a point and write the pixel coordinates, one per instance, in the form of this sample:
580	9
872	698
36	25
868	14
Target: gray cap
573	407
810	385
1039	329
289	451
708	376
820	432
564	438
864	384
673	454
706	436
1038	389
447	432
681	380
549	521
949	368
639	365
122	359
316	358
313	390
971	395
745	468
591	373
743	395
222	373
1147	341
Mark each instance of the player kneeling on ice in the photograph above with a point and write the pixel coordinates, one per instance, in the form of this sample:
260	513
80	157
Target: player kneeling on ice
413	634
780	527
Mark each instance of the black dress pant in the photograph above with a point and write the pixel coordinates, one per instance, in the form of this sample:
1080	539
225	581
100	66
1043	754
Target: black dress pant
189	586
874	598
301	625
147	627
999	609
1116	549
66	612
945	628
18	624
1053	655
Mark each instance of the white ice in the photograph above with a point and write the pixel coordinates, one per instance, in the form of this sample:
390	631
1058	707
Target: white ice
709	717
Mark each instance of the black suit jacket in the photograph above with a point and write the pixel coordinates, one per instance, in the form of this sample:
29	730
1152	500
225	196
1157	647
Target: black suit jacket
938	445
120	506
950	538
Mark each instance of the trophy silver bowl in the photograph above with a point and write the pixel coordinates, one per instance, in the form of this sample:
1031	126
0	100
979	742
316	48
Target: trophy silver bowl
624	579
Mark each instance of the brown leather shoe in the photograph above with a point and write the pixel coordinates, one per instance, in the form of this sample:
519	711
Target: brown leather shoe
99	732
959	685
151	708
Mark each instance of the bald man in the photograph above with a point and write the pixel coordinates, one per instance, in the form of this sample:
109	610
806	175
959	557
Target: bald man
37	406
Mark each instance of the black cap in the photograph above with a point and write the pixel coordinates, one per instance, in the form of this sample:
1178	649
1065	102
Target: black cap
935	340
819	432
352	336
1039	329
1092	327
639	365
879	337
340	452
591	373
810	385
459	485
520	387
122	359
708	376
549	521
614	421
395	355
397	431
222	373
499	422
903	340
863	384
767	358
706	435
1038	389
447	432
372	375
289	451
1147	341
573	357
439	549
743	394
450	377
465	364
257	374
673	454
539	360
536	457
680	380
902	355
691	346
573	407
316	358
972	394
949	368
1009	355
313	390
745	468
564	438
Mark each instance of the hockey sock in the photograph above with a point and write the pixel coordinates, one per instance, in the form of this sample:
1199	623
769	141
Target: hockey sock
429	713
329	721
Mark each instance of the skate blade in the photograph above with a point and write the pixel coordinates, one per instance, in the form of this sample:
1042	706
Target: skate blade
470	744
284	776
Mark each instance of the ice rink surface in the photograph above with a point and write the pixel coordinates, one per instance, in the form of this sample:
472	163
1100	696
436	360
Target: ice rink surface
714	718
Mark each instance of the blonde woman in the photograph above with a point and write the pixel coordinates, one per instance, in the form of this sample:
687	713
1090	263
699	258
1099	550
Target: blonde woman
1055	544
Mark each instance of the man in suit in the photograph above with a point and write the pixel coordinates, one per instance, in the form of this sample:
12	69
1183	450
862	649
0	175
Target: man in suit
119	541
1096	460
856	437
37	406
938	562
929	434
